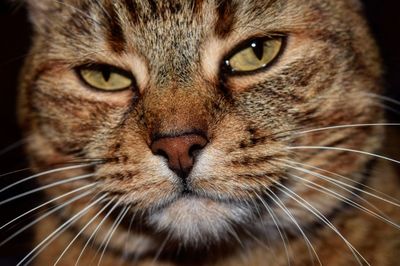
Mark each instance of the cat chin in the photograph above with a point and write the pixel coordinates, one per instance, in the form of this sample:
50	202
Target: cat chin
198	221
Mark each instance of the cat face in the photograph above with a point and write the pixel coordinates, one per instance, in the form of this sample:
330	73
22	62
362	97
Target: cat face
190	123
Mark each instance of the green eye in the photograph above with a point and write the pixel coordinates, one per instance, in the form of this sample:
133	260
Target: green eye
256	55
106	78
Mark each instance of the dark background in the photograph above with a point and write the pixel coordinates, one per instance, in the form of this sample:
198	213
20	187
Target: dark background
383	16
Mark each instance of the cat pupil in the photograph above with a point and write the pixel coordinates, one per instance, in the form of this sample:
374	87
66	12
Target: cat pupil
106	73
258	48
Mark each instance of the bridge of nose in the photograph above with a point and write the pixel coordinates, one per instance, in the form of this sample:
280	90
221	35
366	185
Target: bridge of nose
173	111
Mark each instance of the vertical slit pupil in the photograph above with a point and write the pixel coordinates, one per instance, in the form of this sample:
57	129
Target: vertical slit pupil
258	48
106	72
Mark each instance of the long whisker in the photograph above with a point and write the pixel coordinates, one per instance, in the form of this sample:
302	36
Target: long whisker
161	248
277	201
43	174
345	126
340	197
342	149
392	200
383	98
378	214
125	254
46	215
111	233
83	229
15	172
81	177
319	215
275	221
97	229
12	147
58	231
47	203
343	187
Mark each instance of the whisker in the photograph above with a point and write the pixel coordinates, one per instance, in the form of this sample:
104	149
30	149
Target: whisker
43	174
319	215
44	243
47	203
342	149
275	221
112	231
382	98
345	126
12	147
340	197
15	172
125	253
277	201
62	182
96	229
83	229
161	248
45	215
391	201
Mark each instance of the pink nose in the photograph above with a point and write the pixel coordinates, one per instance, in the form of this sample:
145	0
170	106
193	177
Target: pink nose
179	151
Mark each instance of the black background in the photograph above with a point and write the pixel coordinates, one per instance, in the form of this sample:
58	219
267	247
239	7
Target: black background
383	16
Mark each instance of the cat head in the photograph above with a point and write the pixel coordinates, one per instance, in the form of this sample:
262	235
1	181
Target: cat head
193	113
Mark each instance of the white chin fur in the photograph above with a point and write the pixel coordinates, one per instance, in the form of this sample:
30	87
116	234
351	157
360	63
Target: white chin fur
196	221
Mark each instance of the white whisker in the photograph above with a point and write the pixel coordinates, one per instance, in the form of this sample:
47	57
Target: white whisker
62	182
46	203
345	126
15	172
342	149
58	231
43	174
392	200
275	221
310	247
97	229
319	215
83	229
114	227
45	215
12	146
346	200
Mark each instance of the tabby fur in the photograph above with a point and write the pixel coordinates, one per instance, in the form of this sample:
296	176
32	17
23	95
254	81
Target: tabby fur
326	76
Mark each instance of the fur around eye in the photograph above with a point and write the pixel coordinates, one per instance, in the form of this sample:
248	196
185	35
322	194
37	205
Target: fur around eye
254	55
105	77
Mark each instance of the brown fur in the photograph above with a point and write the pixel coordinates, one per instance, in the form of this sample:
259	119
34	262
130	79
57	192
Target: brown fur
324	77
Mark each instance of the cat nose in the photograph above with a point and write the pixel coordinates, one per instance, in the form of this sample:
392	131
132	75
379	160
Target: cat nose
180	151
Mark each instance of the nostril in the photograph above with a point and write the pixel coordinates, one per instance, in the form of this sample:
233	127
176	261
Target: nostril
162	153
195	150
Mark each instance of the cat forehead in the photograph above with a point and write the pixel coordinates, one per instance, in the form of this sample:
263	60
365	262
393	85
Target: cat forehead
164	31
226	15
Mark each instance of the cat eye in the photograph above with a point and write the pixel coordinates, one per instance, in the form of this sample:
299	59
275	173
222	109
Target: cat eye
105	77
254	55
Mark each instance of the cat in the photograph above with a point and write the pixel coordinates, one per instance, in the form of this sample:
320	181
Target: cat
207	132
